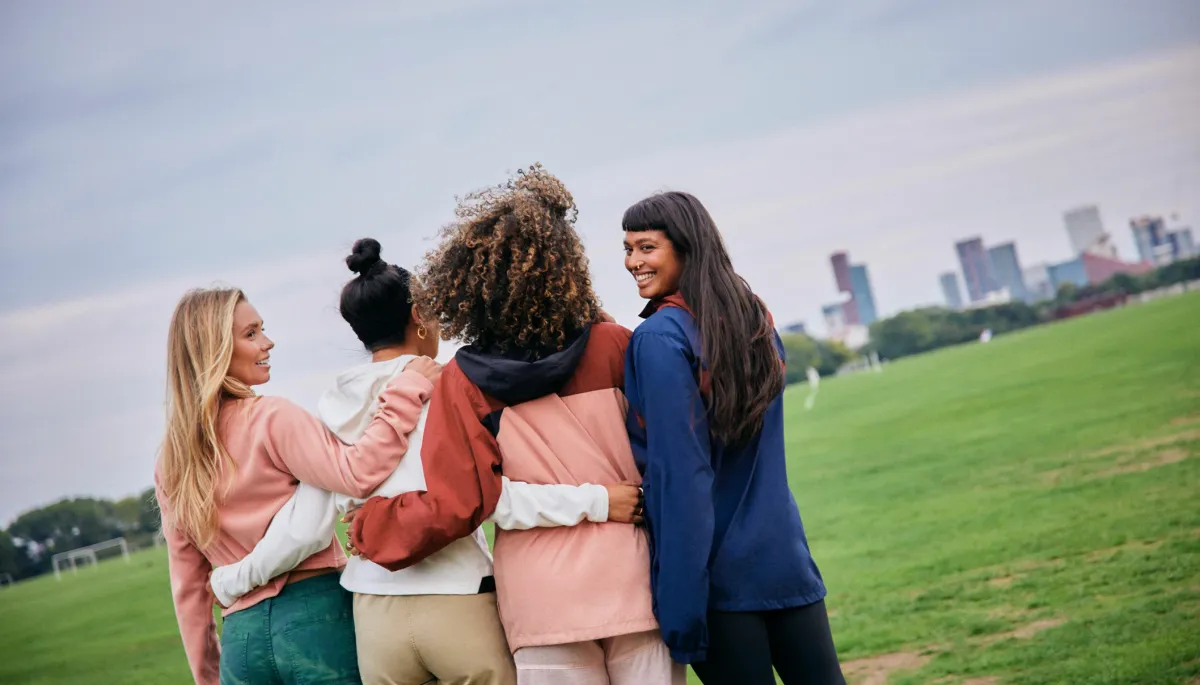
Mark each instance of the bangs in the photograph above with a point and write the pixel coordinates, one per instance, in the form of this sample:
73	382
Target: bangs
647	215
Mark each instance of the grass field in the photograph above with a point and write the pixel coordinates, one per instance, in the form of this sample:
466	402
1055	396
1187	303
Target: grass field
1026	511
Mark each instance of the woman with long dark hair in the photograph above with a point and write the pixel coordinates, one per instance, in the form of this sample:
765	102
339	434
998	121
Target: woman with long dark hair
736	590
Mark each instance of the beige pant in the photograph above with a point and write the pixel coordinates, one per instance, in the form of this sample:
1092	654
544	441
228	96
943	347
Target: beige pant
637	659
419	639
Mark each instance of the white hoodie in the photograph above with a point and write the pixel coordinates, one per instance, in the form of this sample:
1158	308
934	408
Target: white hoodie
306	523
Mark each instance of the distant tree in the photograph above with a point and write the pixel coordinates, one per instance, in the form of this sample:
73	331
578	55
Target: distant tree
832	355
9	556
1125	283
905	334
68	524
148	514
801	353
1175	272
1067	293
825	356
127	514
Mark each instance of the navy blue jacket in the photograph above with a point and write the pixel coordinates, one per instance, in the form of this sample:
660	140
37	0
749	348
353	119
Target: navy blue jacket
725	531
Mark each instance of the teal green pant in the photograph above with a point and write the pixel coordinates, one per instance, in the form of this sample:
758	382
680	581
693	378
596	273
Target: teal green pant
303	636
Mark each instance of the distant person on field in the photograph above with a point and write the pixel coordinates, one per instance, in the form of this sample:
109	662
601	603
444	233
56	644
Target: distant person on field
736	590
814	384
536	395
229	462
435	620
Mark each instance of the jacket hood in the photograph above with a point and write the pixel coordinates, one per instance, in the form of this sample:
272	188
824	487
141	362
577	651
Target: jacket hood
347	408
513	379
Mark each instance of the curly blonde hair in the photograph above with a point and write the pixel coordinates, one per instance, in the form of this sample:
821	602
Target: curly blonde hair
510	275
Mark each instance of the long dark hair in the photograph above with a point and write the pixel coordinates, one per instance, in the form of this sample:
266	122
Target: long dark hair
377	303
737	339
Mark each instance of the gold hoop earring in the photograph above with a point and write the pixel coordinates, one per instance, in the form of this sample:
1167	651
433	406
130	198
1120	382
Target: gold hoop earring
421	332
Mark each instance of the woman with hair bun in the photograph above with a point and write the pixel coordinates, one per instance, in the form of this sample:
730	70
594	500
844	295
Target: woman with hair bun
435	620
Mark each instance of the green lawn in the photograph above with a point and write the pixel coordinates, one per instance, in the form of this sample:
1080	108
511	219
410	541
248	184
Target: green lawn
1026	511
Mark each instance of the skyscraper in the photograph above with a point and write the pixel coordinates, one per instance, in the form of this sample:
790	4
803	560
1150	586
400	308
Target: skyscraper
1150	234
1084	228
1006	269
950	290
864	299
1184	243
840	261
1038	282
976	268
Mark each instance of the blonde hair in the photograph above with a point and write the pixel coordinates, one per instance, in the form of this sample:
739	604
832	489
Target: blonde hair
192	459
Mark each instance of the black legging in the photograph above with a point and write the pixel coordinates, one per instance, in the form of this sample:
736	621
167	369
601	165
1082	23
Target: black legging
743	646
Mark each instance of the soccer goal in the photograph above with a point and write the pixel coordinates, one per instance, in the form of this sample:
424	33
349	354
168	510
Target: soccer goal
87	555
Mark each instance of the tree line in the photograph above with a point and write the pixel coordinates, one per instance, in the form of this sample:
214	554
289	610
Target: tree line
803	351
931	328
29	543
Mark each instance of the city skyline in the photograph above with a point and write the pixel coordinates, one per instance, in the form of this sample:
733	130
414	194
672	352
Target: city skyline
1096	258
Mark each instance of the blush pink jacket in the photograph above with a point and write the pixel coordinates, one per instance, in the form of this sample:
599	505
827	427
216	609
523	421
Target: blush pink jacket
275	444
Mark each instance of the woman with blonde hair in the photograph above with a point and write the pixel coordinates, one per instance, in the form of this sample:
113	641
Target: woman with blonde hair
229	462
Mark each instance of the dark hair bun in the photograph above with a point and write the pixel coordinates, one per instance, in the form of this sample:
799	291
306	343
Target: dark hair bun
364	256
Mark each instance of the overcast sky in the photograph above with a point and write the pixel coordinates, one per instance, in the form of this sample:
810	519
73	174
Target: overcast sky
147	147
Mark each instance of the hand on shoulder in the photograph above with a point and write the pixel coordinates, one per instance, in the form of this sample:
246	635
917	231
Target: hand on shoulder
426	367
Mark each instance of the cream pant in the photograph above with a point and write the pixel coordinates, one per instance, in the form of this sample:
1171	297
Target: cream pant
419	639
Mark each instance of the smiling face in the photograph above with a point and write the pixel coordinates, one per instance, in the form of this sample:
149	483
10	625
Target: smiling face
251	347
654	263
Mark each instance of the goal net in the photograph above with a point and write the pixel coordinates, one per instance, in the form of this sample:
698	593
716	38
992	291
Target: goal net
91	554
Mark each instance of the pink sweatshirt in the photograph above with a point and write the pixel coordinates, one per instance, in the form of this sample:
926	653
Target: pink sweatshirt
275	444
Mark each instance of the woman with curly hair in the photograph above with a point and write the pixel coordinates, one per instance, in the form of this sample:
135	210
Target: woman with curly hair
534	396
735	588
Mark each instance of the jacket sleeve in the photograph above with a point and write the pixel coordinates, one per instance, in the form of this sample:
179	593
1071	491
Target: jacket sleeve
662	389
531	505
188	569
303	527
461	461
300	444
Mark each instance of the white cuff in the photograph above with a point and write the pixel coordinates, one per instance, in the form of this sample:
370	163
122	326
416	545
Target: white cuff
218	581
598	509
